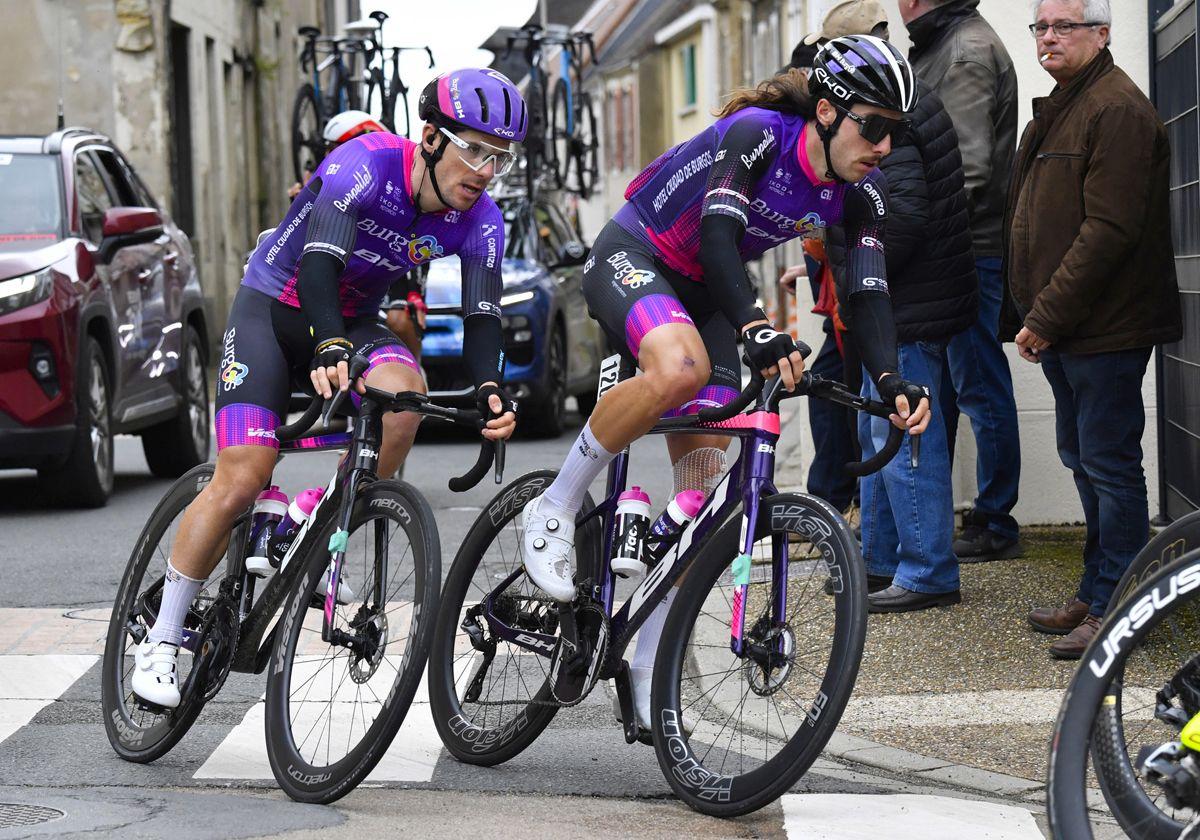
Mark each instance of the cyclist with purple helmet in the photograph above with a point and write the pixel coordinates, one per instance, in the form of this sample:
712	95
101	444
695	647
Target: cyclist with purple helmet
378	206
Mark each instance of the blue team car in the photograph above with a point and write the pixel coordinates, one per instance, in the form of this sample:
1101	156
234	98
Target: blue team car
552	347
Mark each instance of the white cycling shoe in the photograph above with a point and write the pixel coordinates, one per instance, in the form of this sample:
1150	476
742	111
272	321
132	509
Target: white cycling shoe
639	682
154	675
345	593
547	542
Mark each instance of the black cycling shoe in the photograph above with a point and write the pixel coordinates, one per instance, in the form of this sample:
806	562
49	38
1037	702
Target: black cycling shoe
978	544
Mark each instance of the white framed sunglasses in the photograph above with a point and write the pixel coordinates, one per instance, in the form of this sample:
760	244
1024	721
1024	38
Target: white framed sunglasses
477	155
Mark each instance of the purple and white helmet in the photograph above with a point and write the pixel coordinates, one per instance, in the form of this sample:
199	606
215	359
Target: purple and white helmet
483	99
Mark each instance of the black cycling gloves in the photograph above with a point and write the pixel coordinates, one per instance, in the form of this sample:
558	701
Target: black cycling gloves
483	395
893	385
765	347
331	351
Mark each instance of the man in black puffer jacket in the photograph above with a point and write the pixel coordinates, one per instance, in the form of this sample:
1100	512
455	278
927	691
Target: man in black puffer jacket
908	514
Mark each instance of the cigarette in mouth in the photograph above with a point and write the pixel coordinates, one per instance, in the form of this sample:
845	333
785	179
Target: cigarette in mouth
1044	57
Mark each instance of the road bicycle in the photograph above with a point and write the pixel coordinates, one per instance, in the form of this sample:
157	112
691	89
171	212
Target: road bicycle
1137	686
343	667
755	663
381	89
315	103
562	136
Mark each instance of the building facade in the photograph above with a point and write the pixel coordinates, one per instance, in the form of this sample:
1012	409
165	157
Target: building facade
198	94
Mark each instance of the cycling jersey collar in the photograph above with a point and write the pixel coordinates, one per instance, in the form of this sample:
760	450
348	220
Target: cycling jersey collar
805	163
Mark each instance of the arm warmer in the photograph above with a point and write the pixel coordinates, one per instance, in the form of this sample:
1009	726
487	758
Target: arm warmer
483	342
724	271
874	332
317	288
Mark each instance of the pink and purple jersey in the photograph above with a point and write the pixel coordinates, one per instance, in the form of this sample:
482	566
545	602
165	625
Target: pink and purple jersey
359	208
752	166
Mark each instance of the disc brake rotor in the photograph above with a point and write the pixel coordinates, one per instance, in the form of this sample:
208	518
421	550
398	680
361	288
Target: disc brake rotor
766	678
370	625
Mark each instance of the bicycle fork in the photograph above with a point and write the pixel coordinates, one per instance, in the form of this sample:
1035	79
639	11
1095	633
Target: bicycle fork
761	451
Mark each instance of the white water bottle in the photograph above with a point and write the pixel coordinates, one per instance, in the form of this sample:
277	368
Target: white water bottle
633	518
665	531
269	509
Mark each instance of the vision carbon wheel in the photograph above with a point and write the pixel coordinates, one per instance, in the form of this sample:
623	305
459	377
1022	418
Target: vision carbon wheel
333	709
759	721
135	731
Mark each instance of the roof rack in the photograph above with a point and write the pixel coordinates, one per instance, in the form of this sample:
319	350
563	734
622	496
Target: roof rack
54	140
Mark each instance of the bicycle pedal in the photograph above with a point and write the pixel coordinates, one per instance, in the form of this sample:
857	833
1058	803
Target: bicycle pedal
152	708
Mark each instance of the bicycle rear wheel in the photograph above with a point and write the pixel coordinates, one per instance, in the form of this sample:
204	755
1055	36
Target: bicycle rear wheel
759	722
561	136
137	733
492	699
308	144
1142	667
332	711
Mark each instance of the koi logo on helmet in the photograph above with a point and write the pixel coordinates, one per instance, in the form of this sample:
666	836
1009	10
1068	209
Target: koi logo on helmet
423	249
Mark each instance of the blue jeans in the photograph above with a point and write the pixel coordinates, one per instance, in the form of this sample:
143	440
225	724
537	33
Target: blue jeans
833	436
907	514
977	381
1099	423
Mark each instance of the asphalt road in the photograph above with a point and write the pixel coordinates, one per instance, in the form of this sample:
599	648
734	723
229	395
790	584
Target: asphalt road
60	572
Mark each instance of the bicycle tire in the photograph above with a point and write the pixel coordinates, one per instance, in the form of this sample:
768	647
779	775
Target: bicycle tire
393	503
346	94
560	139
586	151
373	84
1169	544
1085	711
130	738
535	138
307	141
834	554
469	739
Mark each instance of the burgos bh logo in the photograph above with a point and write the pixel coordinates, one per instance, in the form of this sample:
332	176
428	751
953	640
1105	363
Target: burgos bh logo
809	223
234	375
423	249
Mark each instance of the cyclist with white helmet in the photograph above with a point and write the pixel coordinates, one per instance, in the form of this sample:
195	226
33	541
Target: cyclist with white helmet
341	127
667	277
377	206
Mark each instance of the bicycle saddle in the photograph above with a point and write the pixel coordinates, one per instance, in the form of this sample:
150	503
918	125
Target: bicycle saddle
308	32
361	28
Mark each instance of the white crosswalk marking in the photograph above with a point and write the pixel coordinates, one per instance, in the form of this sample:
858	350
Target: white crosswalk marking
30	683
838	816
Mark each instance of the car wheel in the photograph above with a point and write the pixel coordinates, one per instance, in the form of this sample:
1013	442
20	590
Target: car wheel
86	479
175	446
544	417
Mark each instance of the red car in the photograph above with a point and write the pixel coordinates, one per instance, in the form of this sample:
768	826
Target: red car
102	325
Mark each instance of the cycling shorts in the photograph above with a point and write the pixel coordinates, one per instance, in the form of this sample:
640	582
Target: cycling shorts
630	291
267	352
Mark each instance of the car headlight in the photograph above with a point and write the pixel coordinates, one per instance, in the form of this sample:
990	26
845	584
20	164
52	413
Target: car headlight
19	292
515	298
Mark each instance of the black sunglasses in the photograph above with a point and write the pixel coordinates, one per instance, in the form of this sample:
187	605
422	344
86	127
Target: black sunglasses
875	127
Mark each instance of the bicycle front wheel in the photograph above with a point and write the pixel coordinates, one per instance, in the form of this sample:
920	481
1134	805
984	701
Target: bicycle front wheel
307	125
333	709
1136	685
586	150
758	721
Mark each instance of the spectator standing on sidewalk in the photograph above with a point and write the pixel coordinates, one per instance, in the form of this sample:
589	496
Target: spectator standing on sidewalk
960	56
908	514
1090	286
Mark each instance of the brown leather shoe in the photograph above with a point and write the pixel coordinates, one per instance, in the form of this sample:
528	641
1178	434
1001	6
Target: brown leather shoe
1059	621
1072	645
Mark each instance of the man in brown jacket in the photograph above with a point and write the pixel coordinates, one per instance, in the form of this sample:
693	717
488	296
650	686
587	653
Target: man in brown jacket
1091	286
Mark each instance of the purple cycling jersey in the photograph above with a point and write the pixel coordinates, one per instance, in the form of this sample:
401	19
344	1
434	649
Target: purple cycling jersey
359	208
753	166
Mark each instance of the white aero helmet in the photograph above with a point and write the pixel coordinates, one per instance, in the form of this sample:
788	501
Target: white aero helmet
349	124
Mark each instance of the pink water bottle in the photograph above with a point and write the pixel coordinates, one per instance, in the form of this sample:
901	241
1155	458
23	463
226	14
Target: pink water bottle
633	518
297	514
666	529
269	509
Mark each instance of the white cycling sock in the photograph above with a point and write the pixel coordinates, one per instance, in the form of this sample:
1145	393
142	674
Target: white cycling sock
650	632
584	462
179	591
